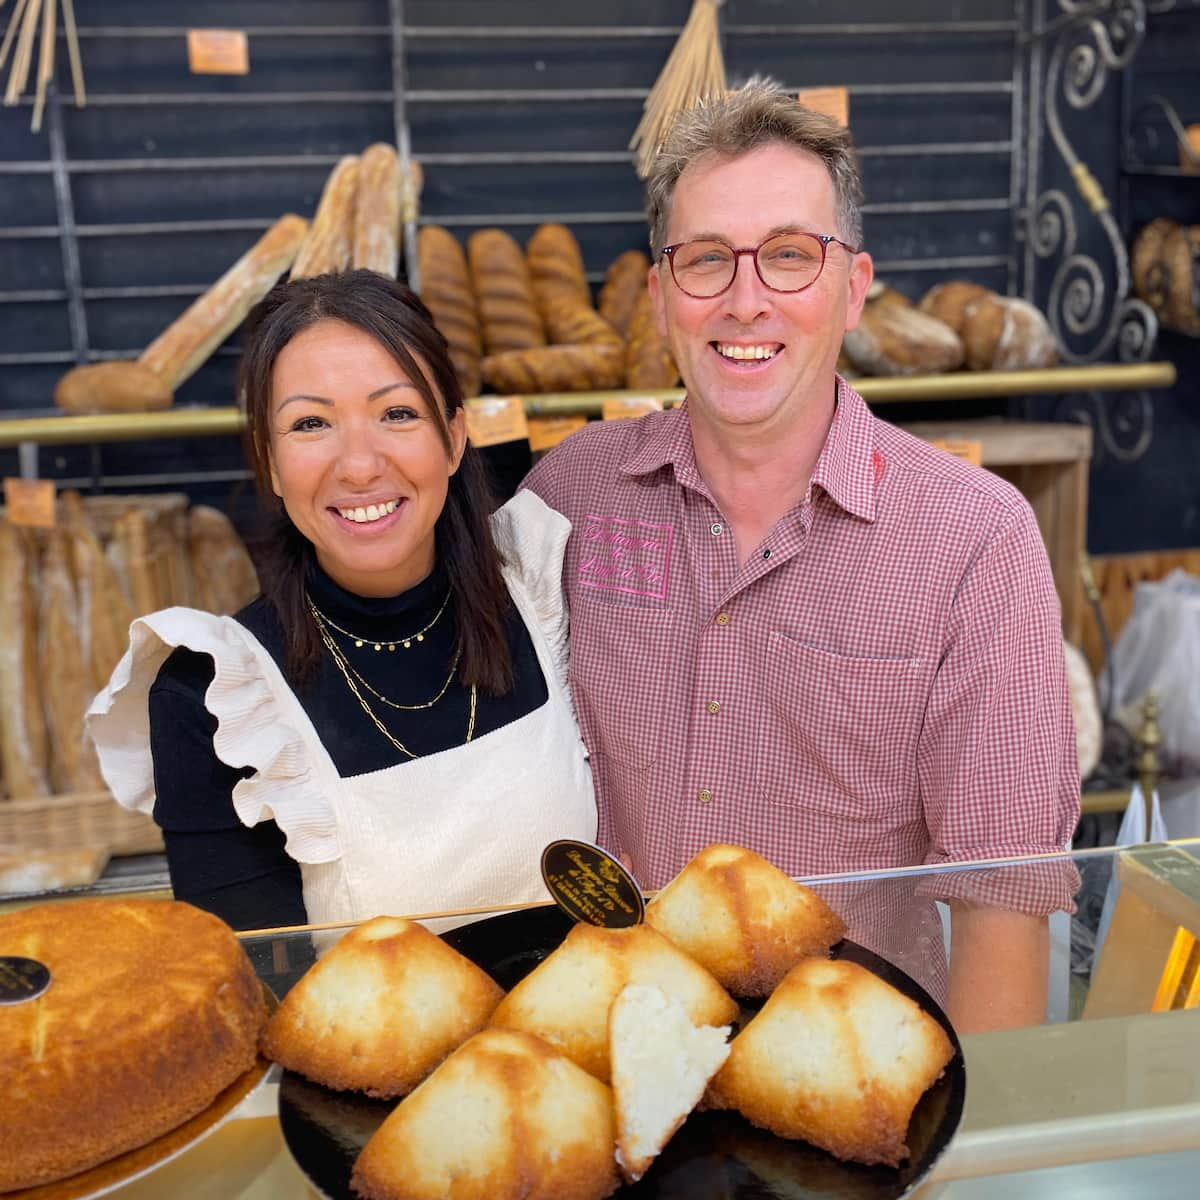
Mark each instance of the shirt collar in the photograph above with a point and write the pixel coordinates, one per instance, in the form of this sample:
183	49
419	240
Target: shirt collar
848	469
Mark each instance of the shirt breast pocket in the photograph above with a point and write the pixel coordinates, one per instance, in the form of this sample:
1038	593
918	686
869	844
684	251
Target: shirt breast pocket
620	671
841	735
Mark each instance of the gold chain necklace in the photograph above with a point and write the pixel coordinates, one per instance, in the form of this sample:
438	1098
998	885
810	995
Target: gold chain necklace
391	644
395	741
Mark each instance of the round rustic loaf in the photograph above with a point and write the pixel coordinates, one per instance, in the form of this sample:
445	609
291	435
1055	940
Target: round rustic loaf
1002	333
1148	266
1180	249
153	1009
894	338
950	302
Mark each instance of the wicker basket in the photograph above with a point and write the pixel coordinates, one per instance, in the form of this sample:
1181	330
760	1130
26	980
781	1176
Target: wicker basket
91	820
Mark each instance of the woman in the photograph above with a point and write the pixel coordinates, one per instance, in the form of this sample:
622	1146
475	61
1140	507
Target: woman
387	728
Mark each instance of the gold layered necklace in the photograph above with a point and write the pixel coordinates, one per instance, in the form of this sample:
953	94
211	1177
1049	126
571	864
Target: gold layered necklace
353	679
390	643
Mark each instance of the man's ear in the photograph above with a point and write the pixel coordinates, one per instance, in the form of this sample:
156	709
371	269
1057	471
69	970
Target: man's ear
658	297
862	272
458	438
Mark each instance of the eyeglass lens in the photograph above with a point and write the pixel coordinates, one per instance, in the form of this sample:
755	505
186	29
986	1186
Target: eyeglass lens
786	262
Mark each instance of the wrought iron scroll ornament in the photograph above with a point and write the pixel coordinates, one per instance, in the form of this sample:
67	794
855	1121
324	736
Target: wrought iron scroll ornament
1091	40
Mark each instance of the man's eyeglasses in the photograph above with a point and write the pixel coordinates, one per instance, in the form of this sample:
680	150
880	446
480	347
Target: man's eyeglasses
787	262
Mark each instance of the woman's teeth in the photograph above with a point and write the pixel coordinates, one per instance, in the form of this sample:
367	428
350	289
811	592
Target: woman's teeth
746	353
371	513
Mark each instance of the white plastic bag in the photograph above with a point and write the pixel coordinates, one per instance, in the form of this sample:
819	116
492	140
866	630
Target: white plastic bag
1159	649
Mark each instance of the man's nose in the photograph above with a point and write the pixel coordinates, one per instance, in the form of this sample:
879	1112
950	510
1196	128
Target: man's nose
748	297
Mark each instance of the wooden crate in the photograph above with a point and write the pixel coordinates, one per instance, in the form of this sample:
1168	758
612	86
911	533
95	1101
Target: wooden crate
1048	463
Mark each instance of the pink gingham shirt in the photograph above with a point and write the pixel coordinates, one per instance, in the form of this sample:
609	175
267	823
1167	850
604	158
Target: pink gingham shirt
880	684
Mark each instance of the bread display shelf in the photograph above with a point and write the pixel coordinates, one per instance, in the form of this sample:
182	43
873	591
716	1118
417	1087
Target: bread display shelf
962	385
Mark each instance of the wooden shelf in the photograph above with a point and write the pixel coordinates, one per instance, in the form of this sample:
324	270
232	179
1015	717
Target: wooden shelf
960	385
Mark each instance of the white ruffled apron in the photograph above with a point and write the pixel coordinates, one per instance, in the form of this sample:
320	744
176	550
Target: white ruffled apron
462	828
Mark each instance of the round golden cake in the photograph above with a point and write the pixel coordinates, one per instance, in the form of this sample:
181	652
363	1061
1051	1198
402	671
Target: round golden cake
153	1009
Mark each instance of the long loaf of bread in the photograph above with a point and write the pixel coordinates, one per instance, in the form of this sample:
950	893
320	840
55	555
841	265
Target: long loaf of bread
508	310
624	283
555	369
648	359
377	211
330	239
65	672
22	722
449	295
224	578
131	532
570	323
189	341
556	267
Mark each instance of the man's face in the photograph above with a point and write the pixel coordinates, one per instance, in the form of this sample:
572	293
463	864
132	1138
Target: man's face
743	201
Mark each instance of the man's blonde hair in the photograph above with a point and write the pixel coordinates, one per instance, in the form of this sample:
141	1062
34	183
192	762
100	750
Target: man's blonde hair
757	114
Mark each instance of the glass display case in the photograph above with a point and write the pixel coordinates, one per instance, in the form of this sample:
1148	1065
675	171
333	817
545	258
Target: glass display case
1101	1099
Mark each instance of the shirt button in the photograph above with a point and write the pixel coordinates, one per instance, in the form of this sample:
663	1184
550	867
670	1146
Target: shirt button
722	618
766	554
714	707
705	796
717	528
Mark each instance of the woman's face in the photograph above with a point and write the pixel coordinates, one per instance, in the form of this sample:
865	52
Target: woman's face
357	458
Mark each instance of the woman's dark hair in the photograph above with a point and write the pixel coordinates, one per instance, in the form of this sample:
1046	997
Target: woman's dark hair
394	316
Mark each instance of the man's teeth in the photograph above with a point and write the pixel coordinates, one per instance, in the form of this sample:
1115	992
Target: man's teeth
371	513
746	353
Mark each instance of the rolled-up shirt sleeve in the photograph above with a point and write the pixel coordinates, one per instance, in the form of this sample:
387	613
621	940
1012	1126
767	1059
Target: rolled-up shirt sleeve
997	759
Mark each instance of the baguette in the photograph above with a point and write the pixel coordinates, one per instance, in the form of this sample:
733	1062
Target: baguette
624	283
131	532
330	239
22	722
508	310
449	295
65	673
554	369
556	267
224	579
570	323
377	211
648	359
188	342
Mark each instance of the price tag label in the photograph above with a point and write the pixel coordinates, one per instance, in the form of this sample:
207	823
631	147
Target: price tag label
591	886
547	432
492	420
615	408
30	501
968	451
831	101
218	52
22	979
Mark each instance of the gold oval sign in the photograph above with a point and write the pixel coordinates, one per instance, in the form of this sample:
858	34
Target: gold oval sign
591	886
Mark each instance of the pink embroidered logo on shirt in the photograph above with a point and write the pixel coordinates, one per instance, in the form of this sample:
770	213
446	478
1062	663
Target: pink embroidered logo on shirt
625	556
878	464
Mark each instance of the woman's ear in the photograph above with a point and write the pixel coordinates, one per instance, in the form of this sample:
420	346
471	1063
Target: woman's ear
458	437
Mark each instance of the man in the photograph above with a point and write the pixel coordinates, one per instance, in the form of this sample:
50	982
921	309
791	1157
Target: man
795	627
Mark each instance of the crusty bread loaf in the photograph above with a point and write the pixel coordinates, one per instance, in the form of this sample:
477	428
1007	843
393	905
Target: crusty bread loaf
567	997
1003	333
22	721
951	301
449	294
743	919
1180	251
330	239
897	339
556	267
377	211
1148	265
837	1057
503	1116
1189	150
112	387
661	1064
189	341
65	672
624	283
648	359
380	1009
553	369
153	1010
507	308
223	577
132	535
569	323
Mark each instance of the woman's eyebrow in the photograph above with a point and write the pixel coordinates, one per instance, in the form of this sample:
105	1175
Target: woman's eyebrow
388	387
400	383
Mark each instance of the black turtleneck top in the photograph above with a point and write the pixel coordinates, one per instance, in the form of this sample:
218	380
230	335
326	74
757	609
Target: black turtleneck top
245	875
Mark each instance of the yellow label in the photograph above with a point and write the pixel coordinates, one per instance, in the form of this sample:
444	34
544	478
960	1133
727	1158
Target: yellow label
30	501
495	419
971	452
218	52
831	101
617	407
547	432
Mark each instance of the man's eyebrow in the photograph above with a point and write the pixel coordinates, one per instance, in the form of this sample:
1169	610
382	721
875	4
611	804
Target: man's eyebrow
720	237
